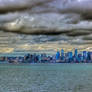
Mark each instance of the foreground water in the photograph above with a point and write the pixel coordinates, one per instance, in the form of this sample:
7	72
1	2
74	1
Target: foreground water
46	78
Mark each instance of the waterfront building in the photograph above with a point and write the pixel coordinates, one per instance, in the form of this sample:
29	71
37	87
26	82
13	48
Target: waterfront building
90	56
70	55
39	58
76	56
66	58
76	52
53	59
62	55
85	56
2	59
57	55
80	58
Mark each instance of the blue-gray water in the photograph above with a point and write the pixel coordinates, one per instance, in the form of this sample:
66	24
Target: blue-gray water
46	78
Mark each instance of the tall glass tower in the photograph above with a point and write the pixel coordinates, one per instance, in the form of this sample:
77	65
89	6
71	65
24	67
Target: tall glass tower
62	53
57	55
84	54
76	52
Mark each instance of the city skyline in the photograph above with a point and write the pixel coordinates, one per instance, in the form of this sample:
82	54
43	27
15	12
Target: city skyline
59	57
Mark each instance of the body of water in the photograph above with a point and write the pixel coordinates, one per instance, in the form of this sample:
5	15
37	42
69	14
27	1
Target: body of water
46	78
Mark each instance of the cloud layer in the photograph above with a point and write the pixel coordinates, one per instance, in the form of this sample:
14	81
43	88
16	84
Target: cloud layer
70	19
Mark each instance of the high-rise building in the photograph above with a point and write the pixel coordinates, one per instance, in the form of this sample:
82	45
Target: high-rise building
70	54
62	54
85	54
80	58
90	56
76	53
57	55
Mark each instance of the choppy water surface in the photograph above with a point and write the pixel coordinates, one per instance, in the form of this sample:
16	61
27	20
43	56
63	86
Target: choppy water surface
46	78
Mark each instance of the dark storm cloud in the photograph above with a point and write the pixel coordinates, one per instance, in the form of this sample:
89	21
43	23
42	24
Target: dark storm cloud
65	17
83	7
15	5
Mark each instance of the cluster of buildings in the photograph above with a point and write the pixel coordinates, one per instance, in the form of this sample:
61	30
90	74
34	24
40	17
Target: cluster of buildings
74	57
59	57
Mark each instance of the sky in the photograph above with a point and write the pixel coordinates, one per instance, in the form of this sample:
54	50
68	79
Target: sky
47	25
